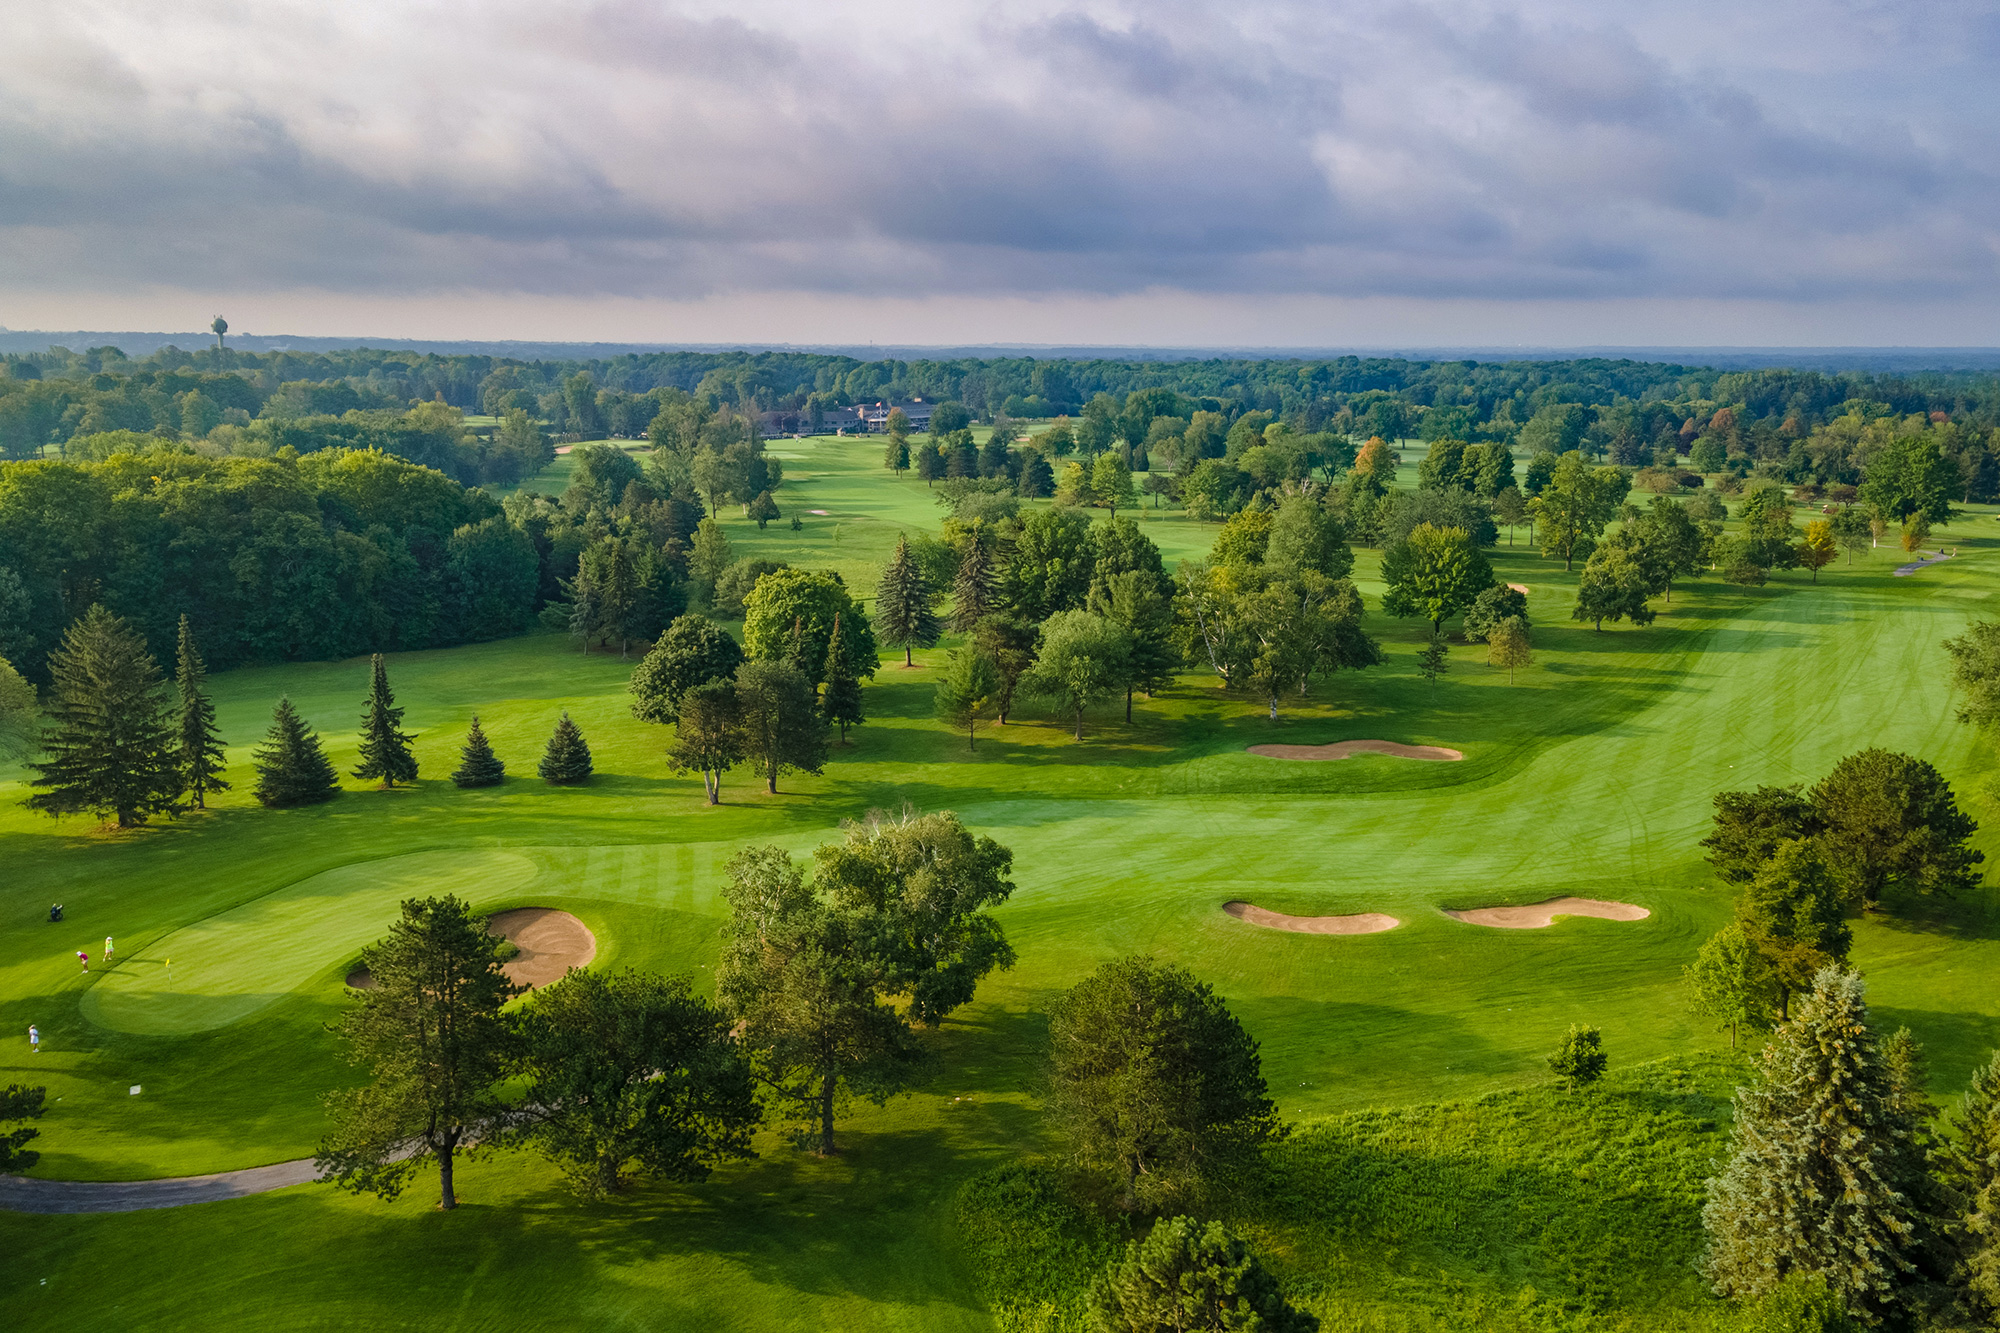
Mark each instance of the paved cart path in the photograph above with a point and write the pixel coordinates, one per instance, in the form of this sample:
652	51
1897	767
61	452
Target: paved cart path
24	1194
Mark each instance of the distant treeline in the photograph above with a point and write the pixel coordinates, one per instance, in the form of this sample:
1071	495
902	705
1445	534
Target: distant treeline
51	397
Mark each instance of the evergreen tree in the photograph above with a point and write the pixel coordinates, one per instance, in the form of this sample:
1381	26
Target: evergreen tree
431	1032
586	602
903	603
478	765
976	589
841	702
567	760
291	767
896	453
1972	1174
969	684
1186	1276
1827	1174
385	750
109	749
201	758
763	509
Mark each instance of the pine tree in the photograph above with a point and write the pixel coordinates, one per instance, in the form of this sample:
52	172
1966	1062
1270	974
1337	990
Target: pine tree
896	453
567	759
1827	1175
975	589
620	594
586	602
201	758
110	748
385	750
1972	1174
291	767
903	603
841	703
478	765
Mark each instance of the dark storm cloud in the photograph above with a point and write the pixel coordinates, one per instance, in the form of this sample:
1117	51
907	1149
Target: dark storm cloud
632	148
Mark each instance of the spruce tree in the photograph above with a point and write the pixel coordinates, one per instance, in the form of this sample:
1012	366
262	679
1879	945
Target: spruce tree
1972	1174
291	767
385	750
841	703
110	748
478	766
975	589
199	763
567	760
1827	1175
903	603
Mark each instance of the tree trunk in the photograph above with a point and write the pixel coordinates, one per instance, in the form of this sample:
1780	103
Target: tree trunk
1128	703
826	1089
771	778
447	1197
972	733
713	782
1079	721
906	656
1274	708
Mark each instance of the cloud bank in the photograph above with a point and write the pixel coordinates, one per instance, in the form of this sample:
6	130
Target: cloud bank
1178	156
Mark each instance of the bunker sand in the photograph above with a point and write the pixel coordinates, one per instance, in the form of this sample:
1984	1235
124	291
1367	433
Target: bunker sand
1360	923
551	943
1344	749
1533	916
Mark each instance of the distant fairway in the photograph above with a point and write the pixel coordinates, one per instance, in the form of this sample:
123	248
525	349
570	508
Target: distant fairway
1591	776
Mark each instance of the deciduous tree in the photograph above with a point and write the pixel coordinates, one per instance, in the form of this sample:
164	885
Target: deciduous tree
780	720
1508	645
1155	1083
1434	573
709	738
693	651
633	1074
790	616
1793	914
1575	504
1817	549
1890	822
1750	826
1011	642
431	1033
1579	1059
1083	658
1613	586
1729	982
17	1103
1140	602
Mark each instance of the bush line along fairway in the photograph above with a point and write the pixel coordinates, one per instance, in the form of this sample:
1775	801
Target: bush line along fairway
1590	777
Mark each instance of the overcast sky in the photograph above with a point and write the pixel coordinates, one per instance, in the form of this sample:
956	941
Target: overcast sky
1251	172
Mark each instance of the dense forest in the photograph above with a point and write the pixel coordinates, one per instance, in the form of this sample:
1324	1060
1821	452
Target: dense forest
313	506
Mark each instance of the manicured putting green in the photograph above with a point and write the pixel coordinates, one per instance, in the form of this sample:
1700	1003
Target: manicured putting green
233	964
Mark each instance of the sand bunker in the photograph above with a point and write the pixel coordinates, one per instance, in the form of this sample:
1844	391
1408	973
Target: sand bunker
551	943
1521	588
1342	749
1533	916
1361	923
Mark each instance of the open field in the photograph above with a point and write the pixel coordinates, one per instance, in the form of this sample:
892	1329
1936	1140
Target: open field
1591	776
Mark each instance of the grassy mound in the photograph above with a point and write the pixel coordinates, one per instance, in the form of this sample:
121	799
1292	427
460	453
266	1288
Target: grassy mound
1534	1209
